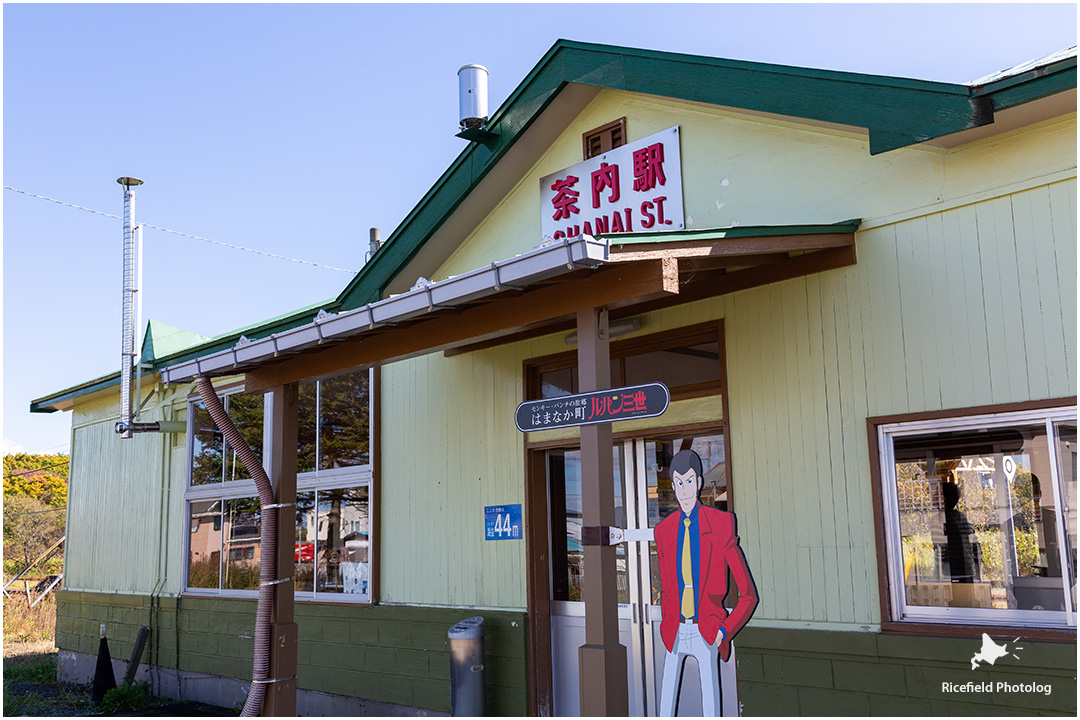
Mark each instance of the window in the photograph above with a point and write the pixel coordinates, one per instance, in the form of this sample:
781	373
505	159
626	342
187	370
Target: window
333	544
978	518
687	361
606	137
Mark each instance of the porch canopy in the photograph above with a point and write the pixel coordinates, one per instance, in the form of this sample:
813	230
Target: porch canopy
579	282
532	294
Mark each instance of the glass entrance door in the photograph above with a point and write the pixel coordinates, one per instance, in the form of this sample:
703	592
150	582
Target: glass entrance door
643	497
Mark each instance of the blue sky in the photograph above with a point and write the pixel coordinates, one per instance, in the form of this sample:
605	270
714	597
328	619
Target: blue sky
293	129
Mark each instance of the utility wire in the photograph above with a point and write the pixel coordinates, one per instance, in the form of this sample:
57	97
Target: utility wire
177	232
31	472
38	512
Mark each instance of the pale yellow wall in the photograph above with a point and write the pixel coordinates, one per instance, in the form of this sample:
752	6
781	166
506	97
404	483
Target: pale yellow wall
780	172
969	306
450	448
121	536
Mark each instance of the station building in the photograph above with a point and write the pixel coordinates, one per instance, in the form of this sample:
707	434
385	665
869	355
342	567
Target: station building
860	292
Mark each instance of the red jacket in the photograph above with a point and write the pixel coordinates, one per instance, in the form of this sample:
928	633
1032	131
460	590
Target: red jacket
719	552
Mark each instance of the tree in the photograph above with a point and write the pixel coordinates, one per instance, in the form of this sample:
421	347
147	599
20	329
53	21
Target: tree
35	493
30	527
43	477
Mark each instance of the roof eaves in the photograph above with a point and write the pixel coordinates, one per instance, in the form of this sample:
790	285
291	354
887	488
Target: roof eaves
288	321
50	403
541	263
1030	85
737	231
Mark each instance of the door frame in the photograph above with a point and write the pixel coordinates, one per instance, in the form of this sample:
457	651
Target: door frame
538	547
537	516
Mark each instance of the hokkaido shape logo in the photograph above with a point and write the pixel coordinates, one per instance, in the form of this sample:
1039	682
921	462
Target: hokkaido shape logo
991	652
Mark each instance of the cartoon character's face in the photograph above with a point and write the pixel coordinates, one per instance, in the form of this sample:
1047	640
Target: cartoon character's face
687	485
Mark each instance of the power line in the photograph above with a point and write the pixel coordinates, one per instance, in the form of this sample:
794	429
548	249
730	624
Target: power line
38	512
31	472
181	234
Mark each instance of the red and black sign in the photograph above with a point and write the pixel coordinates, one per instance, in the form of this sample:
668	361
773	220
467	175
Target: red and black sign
592	408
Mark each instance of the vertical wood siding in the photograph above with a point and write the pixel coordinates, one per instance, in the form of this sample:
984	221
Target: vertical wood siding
450	448
968	307
121	536
971	306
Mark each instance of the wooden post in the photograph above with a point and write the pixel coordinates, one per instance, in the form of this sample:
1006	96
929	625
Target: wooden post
136	655
284	406
602	660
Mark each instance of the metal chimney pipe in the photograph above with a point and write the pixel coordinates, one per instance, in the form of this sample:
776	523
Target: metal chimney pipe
127	354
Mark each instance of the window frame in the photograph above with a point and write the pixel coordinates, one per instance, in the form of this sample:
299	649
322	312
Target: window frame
899	617
641	345
330	479
604	132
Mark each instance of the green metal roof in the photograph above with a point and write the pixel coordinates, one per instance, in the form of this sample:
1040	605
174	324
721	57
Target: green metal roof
897	112
738	231
167	345
161	340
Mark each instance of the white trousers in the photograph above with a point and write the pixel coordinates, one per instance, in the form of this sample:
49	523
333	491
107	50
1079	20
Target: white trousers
690	642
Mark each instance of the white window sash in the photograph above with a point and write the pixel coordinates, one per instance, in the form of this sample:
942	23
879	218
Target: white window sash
356	476
901	610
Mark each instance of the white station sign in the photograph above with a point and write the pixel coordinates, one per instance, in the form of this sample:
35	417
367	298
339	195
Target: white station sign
634	188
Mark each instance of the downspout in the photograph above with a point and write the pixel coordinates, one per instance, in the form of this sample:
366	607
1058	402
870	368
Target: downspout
163	543
260	668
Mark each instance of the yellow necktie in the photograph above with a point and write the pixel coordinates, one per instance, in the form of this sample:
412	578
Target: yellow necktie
687	573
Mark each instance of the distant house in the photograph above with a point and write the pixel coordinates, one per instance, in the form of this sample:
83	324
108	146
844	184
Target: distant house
860	292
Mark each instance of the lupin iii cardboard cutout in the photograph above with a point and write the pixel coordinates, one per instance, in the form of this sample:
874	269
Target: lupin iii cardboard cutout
697	546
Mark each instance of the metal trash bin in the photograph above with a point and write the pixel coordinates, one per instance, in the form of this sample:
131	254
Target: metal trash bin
467	667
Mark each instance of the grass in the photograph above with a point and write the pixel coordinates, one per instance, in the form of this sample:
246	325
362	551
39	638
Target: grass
30	684
31	688
25	624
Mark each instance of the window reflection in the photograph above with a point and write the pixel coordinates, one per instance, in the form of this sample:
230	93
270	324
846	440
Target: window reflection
204	545
305	427
978	519
241	533
342	541
246	412
676	367
332	543
564	478
343	421
213	460
691	368
305	542
333	423
1066	451
207	464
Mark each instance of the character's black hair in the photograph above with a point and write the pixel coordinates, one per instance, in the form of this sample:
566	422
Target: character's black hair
687	460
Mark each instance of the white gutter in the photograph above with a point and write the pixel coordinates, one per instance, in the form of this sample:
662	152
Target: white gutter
518	272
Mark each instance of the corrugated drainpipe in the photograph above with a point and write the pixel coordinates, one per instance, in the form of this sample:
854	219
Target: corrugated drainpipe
260	668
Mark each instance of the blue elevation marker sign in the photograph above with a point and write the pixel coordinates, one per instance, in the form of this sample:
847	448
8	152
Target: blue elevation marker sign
502	522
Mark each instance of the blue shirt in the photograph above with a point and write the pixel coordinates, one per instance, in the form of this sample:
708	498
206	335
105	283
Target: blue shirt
695	554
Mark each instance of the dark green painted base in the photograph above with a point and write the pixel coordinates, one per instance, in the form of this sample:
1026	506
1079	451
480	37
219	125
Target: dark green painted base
813	673
386	654
400	655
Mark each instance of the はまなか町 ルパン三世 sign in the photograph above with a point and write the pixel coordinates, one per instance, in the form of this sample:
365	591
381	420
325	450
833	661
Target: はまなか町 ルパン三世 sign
593	408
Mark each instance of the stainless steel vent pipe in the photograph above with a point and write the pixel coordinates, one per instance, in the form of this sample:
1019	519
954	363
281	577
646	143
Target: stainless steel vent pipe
127	352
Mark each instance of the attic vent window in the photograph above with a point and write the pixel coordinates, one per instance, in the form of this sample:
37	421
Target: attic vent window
604	138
